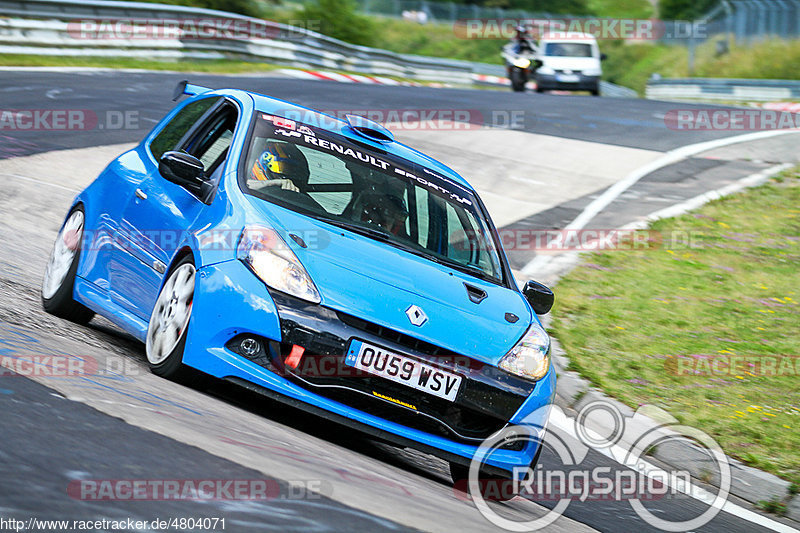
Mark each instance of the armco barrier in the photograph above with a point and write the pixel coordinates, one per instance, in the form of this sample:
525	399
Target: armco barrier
43	27
728	90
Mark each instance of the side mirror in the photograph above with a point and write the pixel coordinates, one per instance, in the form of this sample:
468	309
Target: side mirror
603	57
187	171
539	296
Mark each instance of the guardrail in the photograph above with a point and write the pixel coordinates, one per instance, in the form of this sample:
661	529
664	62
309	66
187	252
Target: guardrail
43	26
48	27
719	89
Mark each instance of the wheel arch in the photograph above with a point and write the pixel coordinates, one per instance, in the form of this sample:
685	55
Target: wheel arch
182	253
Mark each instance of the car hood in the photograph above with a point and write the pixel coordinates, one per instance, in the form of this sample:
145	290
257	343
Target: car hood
571	63
377	282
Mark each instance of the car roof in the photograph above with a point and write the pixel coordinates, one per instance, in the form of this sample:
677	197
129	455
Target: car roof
568	36
278	107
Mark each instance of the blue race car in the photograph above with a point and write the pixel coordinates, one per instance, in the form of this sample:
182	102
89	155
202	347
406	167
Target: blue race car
319	262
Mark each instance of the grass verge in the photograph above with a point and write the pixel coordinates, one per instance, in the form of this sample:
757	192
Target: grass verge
211	66
632	64
201	66
651	326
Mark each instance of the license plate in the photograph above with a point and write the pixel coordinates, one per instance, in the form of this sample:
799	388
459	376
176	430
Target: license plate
402	369
567	78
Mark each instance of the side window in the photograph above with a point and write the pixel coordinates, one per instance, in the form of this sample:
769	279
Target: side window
168	138
211	142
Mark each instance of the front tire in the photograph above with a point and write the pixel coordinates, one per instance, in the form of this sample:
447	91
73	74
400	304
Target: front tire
518	80
62	267
493	488
169	323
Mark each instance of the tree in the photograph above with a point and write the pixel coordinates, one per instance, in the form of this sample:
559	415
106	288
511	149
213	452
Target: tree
563	7
685	9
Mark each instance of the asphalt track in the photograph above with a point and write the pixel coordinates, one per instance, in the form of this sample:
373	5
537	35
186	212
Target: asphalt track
617	121
128	424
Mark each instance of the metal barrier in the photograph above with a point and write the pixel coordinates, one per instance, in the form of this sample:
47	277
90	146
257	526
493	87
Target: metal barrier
718	89
48	27
44	26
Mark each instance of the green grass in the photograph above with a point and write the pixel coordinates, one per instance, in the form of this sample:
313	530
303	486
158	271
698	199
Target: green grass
627	318
438	40
211	66
636	9
632	64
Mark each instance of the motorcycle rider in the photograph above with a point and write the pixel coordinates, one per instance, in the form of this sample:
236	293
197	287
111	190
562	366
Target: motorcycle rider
519	44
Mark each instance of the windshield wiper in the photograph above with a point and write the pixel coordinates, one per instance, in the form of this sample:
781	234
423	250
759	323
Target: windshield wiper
358	228
467	269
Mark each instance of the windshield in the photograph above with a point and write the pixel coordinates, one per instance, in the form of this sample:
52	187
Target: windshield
330	178
568	50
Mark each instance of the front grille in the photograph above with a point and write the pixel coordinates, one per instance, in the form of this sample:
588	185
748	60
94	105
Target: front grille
434	415
486	401
406	341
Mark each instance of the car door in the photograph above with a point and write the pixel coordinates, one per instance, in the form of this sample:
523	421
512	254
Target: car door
159	212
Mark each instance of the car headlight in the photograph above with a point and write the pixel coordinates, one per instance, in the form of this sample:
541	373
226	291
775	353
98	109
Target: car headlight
592	72
546	70
530	358
522	62
269	257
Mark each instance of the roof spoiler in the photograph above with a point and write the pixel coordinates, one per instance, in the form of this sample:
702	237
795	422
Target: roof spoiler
184	87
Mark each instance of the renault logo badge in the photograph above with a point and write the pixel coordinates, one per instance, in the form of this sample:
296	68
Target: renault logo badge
416	315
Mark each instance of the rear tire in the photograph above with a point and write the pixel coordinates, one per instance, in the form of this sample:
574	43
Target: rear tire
62	267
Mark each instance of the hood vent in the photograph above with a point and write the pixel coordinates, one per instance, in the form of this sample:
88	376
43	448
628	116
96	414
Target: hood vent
476	294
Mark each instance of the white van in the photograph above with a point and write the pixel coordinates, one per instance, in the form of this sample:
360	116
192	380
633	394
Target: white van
569	61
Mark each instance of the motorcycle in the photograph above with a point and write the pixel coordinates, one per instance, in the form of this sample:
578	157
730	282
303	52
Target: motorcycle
521	64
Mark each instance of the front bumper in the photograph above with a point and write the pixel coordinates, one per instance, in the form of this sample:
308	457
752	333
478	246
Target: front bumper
549	82
232	304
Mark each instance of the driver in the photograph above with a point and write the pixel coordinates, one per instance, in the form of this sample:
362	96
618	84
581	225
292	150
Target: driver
519	44
386	211
282	165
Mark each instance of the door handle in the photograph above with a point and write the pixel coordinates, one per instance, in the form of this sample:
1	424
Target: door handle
141	194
